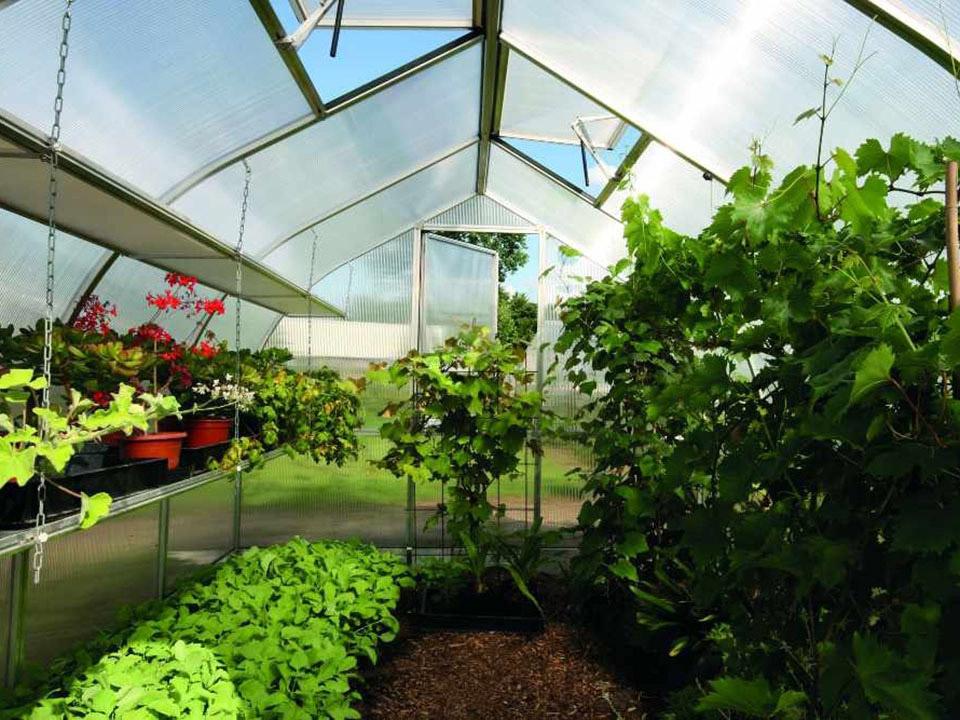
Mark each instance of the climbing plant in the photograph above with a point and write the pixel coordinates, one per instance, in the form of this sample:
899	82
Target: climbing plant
775	499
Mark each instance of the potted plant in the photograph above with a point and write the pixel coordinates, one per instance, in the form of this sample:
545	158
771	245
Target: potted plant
34	438
168	363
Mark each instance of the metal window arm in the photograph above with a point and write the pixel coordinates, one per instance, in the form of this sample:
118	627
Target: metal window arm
298	37
586	144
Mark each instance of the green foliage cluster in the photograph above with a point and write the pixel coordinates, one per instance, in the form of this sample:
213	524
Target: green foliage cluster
466	424
35	438
145	681
315	414
284	625
516	319
776	492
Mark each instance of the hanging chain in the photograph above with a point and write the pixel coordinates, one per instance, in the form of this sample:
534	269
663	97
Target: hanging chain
313	262
40	535
239	291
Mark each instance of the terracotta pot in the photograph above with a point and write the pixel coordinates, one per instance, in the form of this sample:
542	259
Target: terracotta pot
113	439
165	445
207	431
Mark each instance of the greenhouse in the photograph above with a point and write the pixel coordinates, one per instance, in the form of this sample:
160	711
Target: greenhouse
507	359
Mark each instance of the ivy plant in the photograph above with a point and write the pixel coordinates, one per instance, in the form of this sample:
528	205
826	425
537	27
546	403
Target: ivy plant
24	446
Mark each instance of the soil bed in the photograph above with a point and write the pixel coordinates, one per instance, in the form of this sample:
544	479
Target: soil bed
448	675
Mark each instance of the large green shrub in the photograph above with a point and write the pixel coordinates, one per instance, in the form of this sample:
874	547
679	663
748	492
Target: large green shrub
288	624
776	492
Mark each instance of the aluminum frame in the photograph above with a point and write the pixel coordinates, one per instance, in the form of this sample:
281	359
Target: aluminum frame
493	79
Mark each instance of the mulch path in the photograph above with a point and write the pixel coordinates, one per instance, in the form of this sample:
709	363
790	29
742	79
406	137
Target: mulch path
444	675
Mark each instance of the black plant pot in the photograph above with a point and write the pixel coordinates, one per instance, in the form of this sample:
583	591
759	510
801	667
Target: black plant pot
93	456
499	607
196	460
18	505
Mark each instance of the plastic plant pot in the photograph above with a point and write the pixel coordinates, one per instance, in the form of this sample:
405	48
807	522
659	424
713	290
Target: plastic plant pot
207	431
164	445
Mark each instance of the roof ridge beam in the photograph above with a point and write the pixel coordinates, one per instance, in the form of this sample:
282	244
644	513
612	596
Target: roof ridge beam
626	165
492	83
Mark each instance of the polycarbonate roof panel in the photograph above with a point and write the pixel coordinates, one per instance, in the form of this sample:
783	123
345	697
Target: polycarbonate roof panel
676	189
255	324
538	106
23	270
353	232
153	91
943	16
424	13
330	164
708	76
564	214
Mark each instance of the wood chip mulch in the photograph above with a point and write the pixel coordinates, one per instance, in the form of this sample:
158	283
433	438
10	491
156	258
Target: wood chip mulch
443	675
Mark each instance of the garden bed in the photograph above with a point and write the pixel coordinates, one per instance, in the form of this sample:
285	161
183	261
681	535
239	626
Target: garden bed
559	673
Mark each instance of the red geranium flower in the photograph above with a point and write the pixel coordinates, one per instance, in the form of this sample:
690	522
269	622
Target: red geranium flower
206	350
101	398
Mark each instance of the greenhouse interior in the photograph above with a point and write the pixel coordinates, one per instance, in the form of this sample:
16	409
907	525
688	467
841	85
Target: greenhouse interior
506	359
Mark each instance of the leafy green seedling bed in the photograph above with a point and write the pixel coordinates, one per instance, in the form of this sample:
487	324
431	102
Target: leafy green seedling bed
276	632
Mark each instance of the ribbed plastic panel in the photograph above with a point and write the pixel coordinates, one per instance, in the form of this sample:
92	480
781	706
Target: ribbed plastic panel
200	529
459	289
377	286
87	577
480	211
294	496
23	269
6	584
560	498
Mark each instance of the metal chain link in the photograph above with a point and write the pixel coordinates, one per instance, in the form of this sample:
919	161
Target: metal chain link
239	290
40	535
313	262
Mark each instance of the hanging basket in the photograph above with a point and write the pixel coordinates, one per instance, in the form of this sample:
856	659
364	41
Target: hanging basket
207	431
163	445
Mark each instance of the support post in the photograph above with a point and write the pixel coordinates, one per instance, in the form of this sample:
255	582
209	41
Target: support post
163	538
416	273
19	584
953	246
541	370
237	506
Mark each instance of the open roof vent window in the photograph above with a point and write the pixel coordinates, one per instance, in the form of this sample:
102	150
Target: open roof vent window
588	167
345	44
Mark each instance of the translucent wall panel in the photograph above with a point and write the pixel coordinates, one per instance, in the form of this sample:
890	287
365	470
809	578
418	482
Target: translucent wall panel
200	530
377	286
480	211
255	324
23	270
87	578
154	91
385	215
295	496
305	177
459	288
707	76
430	13
538	106
675	187
567	277
523	189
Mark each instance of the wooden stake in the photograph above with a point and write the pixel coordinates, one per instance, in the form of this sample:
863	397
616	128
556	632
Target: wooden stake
953	243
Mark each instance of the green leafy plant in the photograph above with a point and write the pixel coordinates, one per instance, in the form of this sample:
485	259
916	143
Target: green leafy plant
275	633
24	445
466	424
148	680
775	489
